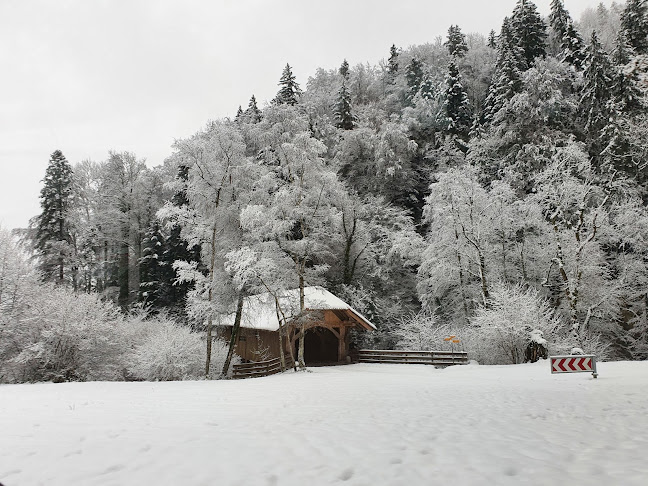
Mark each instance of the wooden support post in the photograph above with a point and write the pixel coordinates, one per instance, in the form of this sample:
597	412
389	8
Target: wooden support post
342	344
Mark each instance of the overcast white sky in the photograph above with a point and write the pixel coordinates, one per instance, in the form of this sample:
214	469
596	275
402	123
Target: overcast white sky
88	76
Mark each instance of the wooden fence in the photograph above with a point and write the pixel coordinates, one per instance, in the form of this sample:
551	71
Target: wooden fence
436	358
259	368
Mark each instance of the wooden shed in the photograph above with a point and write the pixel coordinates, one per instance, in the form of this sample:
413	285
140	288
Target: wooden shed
326	324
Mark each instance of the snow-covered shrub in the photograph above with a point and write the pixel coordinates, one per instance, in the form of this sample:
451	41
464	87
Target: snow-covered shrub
65	336
50	333
588	343
501	332
165	350
421	332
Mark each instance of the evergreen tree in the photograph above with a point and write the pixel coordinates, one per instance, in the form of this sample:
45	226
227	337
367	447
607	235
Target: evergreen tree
162	250
456	43
156	274
559	18
252	113
289	91
492	40
622	52
414	77
456	104
343	116
573	47
529	30
628	97
344	70
634	23
392	62
239	113
427	90
53	237
596	108
506	39
506	81
571	43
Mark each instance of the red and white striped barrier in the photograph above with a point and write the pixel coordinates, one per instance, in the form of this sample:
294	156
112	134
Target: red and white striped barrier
574	364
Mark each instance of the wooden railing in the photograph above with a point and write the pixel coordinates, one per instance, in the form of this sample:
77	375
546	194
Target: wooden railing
436	358
259	368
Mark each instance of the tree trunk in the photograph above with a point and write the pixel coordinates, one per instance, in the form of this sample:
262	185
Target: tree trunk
210	298
302	338
234	336
462	285
482	276
123	273
134	279
282	357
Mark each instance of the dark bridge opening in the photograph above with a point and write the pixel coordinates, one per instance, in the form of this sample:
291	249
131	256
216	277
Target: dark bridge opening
320	346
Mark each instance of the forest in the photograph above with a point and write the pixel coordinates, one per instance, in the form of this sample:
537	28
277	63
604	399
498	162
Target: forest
493	187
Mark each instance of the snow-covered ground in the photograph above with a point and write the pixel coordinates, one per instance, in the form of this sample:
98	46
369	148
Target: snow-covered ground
367	424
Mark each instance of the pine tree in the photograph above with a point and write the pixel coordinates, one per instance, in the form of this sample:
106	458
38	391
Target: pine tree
289	91
343	116
559	18
456	43
634	23
414	77
156	273
457	105
252	113
173	249
622	52
344	70
239	113
529	30
571	43
573	47
427	90
52	225
492	40
507	78
392	62
596	108
627	95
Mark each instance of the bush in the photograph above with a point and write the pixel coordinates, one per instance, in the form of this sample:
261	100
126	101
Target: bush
501	332
167	351
421	332
63	336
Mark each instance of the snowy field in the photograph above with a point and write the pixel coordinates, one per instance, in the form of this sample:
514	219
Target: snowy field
366	424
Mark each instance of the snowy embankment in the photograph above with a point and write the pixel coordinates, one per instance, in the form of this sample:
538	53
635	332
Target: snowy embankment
361	424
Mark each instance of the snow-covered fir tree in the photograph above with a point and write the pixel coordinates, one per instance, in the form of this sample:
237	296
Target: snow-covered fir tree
559	18
492	39
344	118
344	70
456	42
392	62
529	30
597	89
414	76
506	80
289	91
252	113
457	105
634	23
53	238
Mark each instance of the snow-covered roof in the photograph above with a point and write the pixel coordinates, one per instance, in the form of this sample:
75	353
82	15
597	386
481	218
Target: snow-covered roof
259	311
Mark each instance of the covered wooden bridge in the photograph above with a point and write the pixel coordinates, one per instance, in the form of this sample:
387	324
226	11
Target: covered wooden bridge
326	324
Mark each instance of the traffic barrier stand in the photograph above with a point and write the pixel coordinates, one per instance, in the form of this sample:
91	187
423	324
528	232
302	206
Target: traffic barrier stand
579	363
